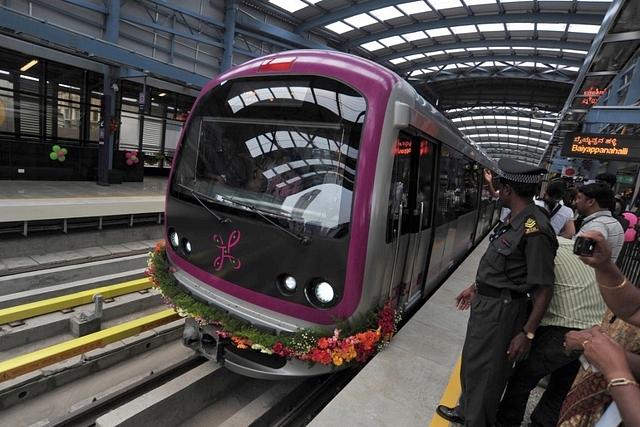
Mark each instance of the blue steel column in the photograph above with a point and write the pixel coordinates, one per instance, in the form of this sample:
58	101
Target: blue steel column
231	13
112	20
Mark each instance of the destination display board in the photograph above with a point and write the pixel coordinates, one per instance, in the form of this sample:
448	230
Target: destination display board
599	146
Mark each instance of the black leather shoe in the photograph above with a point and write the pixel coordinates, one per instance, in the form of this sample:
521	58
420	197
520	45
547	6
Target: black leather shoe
449	414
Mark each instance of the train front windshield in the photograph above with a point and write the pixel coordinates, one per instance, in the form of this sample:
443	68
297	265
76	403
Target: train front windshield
279	149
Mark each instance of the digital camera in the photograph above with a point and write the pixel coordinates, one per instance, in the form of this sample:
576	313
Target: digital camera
583	246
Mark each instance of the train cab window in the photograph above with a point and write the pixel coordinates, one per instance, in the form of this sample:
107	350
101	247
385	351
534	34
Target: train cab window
285	148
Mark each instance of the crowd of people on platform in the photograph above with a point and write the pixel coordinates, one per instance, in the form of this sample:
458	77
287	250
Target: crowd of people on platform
543	310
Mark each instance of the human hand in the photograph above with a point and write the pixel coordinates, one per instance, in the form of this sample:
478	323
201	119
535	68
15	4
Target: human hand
573	340
601	250
463	301
519	348
607	355
487	174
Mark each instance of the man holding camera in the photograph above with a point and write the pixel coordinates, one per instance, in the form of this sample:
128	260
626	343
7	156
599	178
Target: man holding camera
576	305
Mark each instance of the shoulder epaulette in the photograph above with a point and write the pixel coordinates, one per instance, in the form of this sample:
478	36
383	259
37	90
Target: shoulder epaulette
531	226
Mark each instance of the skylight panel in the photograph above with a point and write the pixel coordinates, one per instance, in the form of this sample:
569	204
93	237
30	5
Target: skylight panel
361	20
584	28
438	32
451	51
290	6
445	4
414	57
414	7
392	41
436	53
386	13
418	35
397	61
491	27
464	29
339	27
478	2
552	27
520	26
372	46
577	52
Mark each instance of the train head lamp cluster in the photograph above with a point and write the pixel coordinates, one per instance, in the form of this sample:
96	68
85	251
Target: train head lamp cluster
176	243
319	292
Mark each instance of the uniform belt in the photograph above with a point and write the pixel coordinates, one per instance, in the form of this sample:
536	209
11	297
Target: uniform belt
493	292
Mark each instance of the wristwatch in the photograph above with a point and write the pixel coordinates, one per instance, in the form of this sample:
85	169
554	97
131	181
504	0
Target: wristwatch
529	335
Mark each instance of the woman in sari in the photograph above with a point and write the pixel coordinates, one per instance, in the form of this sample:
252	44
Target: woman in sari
613	349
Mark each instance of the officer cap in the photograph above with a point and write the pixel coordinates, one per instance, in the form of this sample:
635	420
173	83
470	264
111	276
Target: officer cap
515	171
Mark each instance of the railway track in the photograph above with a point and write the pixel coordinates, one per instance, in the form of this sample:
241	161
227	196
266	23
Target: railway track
142	377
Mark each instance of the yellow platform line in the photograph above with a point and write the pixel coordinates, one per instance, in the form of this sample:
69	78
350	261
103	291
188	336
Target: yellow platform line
39	308
450	396
39	359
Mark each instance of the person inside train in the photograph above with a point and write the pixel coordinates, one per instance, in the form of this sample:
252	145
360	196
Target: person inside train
224	165
611	349
561	216
576	305
519	260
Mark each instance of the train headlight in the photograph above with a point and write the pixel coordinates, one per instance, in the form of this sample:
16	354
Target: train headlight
186	245
174	239
287	284
322	294
290	284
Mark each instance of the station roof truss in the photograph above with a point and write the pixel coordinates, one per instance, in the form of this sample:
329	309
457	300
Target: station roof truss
509	73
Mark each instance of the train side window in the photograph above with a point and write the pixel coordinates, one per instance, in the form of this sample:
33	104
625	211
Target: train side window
399	189
425	181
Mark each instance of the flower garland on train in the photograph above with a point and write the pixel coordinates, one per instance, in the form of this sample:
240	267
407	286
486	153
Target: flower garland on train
349	343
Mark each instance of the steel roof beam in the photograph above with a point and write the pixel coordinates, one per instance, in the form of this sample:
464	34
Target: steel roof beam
549	44
82	44
536	18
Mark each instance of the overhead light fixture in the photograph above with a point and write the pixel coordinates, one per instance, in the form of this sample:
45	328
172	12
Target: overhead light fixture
29	65
162	94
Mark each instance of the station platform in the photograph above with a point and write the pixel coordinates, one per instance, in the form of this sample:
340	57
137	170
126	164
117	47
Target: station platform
46	222
419	369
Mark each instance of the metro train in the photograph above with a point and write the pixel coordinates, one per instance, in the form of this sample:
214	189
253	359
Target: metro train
309	190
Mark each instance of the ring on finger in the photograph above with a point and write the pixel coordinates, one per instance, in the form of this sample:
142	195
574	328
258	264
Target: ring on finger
584	343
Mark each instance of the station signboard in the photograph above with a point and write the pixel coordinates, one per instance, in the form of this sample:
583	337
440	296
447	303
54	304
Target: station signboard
599	146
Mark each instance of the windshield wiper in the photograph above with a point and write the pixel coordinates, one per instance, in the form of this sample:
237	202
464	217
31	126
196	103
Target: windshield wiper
305	240
196	195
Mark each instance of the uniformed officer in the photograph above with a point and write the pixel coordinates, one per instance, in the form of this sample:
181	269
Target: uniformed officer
518	263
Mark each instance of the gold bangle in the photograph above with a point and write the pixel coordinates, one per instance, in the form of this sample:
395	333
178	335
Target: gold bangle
624	282
621	381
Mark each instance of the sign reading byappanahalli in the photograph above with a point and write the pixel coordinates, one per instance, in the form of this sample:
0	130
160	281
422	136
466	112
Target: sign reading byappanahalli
600	146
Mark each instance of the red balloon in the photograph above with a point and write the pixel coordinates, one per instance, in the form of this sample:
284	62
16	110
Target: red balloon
129	162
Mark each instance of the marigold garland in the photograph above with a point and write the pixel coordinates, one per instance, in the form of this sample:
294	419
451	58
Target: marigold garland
349	343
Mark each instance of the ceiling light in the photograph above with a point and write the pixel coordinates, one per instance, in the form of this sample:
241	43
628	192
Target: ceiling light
29	65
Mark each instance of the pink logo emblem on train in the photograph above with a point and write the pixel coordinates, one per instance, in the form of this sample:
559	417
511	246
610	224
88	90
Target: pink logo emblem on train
234	239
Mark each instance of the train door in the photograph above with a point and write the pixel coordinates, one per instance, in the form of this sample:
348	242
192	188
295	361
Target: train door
414	164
